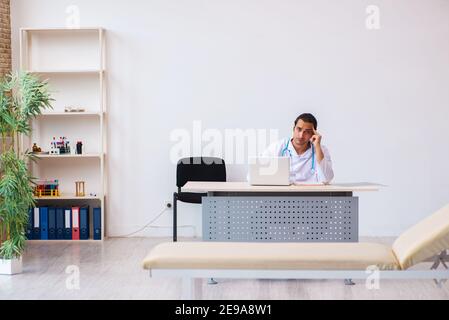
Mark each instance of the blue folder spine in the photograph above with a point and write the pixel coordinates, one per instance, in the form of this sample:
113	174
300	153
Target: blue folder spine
36	225
84	223
97	223
43	213
59	223
51	223
67	224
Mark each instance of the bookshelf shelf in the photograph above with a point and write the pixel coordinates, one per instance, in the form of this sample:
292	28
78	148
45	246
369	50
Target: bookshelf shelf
73	63
70	114
64	241
68	156
64	30
66	71
69	197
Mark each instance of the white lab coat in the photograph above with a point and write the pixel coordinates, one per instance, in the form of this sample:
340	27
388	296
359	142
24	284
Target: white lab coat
301	165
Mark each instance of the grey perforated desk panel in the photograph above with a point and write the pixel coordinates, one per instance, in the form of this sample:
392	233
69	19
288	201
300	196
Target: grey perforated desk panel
235	211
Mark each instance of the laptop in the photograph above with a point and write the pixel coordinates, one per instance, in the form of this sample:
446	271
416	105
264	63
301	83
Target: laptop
269	171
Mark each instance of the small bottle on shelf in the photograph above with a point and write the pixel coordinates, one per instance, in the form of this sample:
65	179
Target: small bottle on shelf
79	147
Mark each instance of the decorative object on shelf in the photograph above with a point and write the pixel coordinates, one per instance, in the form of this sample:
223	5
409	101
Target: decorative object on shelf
47	188
60	147
92	194
79	188
23	96
54	150
74	109
36	148
79	147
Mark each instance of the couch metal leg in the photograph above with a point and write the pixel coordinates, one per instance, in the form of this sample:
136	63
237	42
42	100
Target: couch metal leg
442	258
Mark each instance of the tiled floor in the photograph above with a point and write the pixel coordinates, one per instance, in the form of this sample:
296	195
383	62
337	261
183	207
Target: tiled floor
112	270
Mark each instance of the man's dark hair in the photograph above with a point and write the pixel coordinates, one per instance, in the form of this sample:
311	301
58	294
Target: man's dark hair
307	117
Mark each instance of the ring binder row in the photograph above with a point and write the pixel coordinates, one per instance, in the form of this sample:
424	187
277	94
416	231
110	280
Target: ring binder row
63	223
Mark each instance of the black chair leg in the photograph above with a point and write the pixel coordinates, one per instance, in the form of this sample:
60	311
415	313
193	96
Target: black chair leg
175	218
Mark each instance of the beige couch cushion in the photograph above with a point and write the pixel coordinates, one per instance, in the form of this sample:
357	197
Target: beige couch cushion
424	240
271	256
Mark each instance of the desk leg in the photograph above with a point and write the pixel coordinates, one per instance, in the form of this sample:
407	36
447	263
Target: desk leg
175	217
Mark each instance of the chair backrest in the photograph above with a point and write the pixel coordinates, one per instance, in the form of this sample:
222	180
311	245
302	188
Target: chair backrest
200	169
425	239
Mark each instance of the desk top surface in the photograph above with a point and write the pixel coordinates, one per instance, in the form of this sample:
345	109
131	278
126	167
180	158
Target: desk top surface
206	186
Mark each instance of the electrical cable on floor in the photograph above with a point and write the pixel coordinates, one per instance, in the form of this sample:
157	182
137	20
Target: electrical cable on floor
145	226
148	225
183	226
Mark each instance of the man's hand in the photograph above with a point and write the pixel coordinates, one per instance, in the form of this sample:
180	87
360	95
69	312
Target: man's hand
316	141
316	138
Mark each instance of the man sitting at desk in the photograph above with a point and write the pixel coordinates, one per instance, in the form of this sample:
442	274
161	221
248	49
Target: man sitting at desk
310	162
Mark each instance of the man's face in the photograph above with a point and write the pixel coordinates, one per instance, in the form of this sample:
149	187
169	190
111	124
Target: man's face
302	132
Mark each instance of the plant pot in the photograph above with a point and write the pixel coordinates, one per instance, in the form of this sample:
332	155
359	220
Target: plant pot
11	266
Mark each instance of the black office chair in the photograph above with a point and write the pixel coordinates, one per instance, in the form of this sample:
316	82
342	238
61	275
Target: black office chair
195	169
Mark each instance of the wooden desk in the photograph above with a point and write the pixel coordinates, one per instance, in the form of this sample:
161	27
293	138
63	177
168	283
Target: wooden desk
237	211
205	187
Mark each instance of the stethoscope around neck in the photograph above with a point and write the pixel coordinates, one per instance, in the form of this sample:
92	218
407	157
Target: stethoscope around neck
285	150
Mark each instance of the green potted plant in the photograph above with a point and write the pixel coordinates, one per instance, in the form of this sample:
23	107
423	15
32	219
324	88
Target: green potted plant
23	96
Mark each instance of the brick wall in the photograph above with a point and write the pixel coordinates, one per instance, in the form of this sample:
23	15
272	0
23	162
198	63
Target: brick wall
5	37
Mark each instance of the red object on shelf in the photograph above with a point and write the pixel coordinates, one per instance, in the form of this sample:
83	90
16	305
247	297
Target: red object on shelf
75	223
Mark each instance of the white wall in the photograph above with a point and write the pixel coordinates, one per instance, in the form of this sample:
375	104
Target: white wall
381	97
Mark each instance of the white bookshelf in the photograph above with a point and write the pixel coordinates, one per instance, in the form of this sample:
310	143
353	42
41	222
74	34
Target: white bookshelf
73	62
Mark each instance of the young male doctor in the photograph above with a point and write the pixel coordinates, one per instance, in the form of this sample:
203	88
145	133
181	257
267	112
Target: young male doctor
310	162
